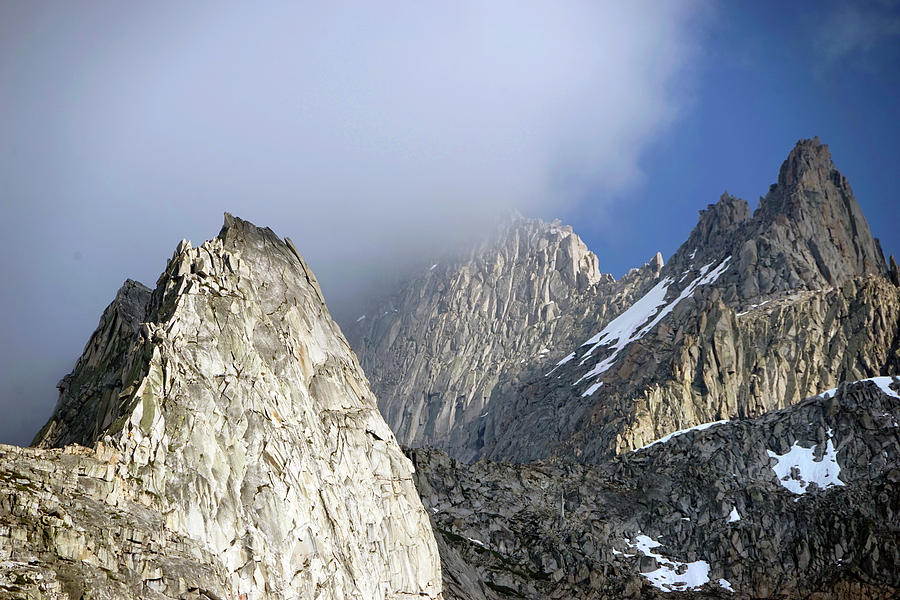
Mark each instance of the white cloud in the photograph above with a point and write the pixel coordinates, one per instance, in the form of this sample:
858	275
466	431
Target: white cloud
370	132
394	125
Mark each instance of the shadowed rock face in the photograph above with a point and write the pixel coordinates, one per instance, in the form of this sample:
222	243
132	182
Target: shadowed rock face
234	450
803	502
441	345
89	395
753	312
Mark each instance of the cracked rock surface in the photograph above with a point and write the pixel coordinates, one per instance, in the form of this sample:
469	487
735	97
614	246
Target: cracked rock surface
707	513
753	312
228	446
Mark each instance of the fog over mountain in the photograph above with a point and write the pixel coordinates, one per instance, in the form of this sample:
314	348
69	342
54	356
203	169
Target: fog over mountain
372	134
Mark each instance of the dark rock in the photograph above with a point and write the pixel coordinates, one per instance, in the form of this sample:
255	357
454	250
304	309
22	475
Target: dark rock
895	272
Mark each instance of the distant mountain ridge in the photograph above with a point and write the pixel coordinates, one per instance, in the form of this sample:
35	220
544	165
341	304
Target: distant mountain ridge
752	312
671	434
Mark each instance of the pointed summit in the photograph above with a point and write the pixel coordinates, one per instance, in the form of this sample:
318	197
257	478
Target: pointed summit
232	401
812	217
451	332
808	232
719	221
808	165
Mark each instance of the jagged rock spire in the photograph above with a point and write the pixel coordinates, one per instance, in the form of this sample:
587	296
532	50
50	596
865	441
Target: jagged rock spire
808	232
719	221
452	330
235	406
812	217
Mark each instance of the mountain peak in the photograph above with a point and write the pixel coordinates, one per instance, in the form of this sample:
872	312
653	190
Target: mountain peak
813	203
718	221
234	402
808	165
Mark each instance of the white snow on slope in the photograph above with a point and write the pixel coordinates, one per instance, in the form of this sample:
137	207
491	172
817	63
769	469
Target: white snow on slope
621	330
561	363
882	382
734	515
798	467
360	318
668	437
624	329
666	577
752	306
594	387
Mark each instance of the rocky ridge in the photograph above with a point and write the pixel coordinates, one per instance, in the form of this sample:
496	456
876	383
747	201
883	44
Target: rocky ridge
228	446
465	329
801	502
753	312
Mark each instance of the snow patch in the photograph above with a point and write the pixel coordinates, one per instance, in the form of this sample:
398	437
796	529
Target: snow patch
668	437
624	329
666	577
884	383
881	382
561	363
724	584
360	318
432	267
594	387
798	468
621	330
752	306
734	515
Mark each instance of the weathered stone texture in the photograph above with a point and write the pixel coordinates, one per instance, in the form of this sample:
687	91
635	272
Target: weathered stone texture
239	421
439	348
562	530
756	311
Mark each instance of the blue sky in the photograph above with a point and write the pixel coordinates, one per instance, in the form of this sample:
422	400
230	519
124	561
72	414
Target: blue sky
768	75
377	134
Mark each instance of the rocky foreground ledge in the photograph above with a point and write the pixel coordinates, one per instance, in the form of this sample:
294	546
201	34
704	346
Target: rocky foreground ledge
221	442
802	502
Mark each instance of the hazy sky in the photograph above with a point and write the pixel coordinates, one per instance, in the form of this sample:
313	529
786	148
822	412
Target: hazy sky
375	133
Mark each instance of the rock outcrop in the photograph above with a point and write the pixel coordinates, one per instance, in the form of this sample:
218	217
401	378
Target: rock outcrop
803	502
753	312
807	233
229	447
438	348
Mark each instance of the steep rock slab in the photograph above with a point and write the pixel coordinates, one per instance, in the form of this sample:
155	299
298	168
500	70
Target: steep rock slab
800	502
711	362
753	312
236	414
89	395
437	350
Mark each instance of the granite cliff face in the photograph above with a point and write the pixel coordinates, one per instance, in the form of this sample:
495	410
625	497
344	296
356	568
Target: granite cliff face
219	439
803	502
466	325
464	331
229	446
753	312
